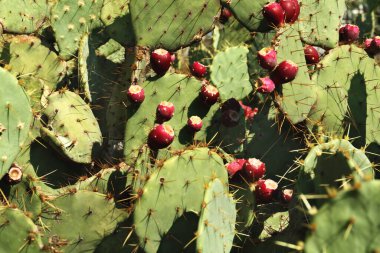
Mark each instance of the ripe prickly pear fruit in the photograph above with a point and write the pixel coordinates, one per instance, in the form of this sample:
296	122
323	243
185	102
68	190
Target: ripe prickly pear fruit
161	136
349	33
291	9
136	93
267	58
285	72
231	104
266	85
14	174
311	55
235	166
286	195
225	15
254	169
165	111
375	44
265	189
195	123
274	14
230	118
160	61
209	94
198	69
249	113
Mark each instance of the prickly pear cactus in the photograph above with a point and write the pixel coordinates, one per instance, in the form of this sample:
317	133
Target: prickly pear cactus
165	126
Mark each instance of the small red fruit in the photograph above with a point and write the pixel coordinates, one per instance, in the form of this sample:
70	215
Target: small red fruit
165	111
267	58
285	72
249	113
225	15
230	118
265	189
160	61
274	14
254	169
266	85
291	9
311	55
375	44
136	93
198	69
209	94
349	33
287	195
235	166
161	136
195	123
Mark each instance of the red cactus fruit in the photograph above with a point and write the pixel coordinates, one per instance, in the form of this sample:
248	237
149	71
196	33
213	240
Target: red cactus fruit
161	136
198	69
195	123
267	58
231	104
311	55
285	72
349	33
230	118
235	166
160	61
287	195
375	44
266	85
165	111
291	9
274	14
209	94
265	189
254	169
136	93
225	15
249	113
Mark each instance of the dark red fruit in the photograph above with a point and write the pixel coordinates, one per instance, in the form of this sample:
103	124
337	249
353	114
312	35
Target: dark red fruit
311	55
230	118
254	169
249	113
375	45
160	61
198	69
195	123
266	85
136	93
267	58
265	189
165	111
225	15
286	195
274	14
285	72
235	166
291	9
161	136
209	94
231	104
14	174
349	33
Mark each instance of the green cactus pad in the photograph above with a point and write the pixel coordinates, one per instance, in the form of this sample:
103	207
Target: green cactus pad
348	222
79	221
71	127
348	77
23	16
178	187
249	13
18	232
112	51
319	21
327	163
229	73
245	206
230	35
183	92
72	19
15	119
296	98
37	67
171	24
216	229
